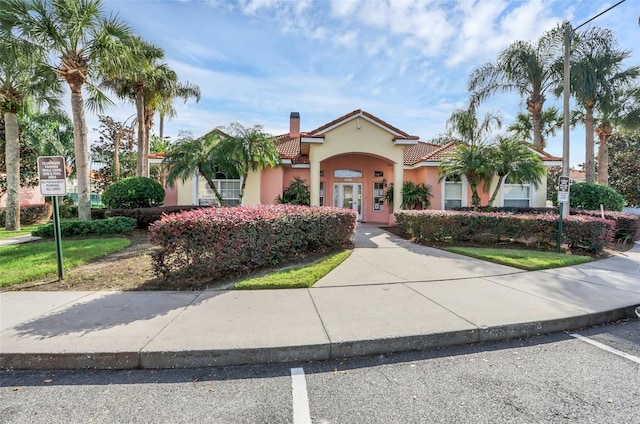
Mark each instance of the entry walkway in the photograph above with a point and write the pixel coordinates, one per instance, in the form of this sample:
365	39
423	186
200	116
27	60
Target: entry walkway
389	295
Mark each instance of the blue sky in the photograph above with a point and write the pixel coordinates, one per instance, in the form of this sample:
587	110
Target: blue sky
407	62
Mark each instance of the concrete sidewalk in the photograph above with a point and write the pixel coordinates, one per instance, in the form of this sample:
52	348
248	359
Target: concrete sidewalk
389	295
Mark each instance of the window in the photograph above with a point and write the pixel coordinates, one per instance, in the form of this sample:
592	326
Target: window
229	189
378	197
453	192
515	194
378	174
321	193
347	173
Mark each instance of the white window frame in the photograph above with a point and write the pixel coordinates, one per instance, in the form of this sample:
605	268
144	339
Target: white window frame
464	193
211	199
532	194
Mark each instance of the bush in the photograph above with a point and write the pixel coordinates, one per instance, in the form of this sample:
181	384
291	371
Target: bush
31	214
133	192
219	242
591	195
147	216
73	228
584	232
296	194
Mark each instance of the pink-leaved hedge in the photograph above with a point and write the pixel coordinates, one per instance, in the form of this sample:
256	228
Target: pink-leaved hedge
219	242
579	231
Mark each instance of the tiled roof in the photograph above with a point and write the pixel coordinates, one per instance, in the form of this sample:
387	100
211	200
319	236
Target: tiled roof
428	152
545	155
289	148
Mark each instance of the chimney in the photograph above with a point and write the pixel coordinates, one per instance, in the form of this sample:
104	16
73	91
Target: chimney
294	125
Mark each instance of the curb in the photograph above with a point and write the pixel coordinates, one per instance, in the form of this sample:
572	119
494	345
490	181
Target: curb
287	354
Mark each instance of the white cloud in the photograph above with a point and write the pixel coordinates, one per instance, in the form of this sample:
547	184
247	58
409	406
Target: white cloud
348	39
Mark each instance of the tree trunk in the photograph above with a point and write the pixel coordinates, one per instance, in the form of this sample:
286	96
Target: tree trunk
534	106
161	128
12	160
116	155
496	190
81	155
589	148
475	198
603	155
148	122
141	158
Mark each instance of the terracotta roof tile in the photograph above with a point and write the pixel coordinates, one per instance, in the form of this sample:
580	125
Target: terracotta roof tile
414	154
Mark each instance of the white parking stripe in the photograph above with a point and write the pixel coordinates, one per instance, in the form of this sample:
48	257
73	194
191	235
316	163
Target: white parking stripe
301	414
607	348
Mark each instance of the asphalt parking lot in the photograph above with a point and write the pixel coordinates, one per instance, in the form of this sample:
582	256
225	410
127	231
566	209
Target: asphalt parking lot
549	378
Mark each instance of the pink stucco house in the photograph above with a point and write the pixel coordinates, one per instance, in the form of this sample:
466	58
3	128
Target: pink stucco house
350	162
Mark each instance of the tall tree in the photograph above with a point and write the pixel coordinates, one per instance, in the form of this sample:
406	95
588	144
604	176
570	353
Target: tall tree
512	158
597	73
625	176
463	127
530	69
188	156
623	112
114	149
472	161
550	123
159	97
83	42
22	76
245	150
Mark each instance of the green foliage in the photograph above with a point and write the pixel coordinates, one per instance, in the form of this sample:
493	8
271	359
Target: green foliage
624	175
296	194
147	216
472	161
416	196
114	151
72	228
133	192
591	195
580	231
220	242
31	214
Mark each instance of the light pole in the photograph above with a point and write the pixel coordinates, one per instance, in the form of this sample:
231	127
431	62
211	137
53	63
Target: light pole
568	33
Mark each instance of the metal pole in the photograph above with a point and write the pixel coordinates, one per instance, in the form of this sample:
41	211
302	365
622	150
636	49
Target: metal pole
559	238
58	237
565	129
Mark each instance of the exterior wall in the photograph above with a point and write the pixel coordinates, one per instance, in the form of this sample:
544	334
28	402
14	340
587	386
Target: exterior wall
365	147
367	165
541	193
271	185
252	189
186	192
28	196
429	176
171	196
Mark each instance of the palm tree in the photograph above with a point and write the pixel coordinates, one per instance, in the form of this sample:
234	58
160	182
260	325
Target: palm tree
550	123
510	157
84	42
596	73
472	161
463	127
189	155
131	83
245	150
623	112
530	69
22	76
160	95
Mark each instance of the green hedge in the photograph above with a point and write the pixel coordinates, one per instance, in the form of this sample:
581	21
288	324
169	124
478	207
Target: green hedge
31	214
219	242
581	231
73	228
133	192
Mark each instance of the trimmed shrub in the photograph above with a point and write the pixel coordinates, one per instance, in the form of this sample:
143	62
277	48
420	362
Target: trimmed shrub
218	242
452	226
627	225
73	228
591	195
31	214
133	192
147	216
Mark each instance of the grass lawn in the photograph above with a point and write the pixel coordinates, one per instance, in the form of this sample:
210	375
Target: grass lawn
24	262
23	231
297	276
529	260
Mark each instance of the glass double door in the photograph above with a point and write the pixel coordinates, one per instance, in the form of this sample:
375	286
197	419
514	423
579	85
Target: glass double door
348	195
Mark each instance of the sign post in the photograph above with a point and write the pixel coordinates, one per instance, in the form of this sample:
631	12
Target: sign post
52	173
563	201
